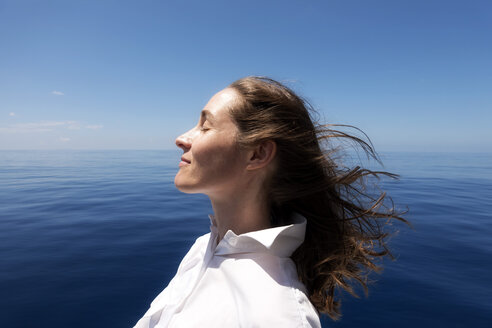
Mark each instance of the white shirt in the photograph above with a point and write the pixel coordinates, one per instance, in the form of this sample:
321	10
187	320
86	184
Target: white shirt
243	281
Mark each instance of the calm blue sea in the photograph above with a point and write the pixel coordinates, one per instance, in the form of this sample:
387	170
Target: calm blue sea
89	238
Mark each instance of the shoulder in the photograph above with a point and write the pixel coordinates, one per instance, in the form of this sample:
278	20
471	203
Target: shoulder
195	253
202	240
189	263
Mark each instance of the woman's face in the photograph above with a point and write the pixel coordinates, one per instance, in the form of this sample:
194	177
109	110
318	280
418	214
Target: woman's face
212	162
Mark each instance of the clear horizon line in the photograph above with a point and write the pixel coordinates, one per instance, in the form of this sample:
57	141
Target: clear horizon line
177	150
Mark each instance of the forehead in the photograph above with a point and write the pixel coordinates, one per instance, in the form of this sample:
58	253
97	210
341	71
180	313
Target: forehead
220	103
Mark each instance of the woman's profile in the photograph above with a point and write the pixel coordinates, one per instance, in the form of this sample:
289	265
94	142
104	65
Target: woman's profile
292	227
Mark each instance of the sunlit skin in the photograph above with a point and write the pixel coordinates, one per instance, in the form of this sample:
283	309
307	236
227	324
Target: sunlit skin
213	164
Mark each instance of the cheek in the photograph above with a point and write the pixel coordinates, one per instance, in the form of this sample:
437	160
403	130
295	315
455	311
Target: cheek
219	156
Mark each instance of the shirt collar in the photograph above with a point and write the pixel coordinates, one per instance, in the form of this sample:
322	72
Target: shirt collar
279	241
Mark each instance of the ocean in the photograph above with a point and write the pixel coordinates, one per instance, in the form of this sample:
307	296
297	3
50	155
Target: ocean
89	238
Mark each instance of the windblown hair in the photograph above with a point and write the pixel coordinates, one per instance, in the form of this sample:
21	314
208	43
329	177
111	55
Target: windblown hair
345	232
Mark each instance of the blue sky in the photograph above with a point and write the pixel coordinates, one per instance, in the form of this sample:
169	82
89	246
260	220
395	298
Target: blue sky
414	75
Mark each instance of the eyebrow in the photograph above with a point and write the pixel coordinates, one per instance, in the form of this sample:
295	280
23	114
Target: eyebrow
207	115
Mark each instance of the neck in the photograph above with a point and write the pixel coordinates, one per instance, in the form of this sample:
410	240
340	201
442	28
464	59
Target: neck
242	212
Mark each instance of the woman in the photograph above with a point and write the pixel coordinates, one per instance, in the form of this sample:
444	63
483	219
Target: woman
291	227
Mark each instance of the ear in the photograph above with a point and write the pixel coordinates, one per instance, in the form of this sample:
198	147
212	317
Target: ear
261	155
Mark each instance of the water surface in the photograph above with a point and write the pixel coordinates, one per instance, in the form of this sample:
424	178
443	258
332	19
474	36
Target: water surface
89	238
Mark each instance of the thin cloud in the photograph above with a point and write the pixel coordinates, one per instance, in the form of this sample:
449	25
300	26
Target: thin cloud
73	125
47	126
43	126
57	93
64	139
94	126
11	114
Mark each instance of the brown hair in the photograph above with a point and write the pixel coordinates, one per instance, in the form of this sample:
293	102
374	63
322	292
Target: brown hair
344	231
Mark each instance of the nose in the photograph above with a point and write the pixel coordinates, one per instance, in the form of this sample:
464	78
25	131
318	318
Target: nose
184	141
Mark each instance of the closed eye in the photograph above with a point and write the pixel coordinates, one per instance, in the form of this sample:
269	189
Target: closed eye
204	126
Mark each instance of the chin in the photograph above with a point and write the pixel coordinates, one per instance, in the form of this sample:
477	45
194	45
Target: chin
183	186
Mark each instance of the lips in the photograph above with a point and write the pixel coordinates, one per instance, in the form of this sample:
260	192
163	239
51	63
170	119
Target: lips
184	162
